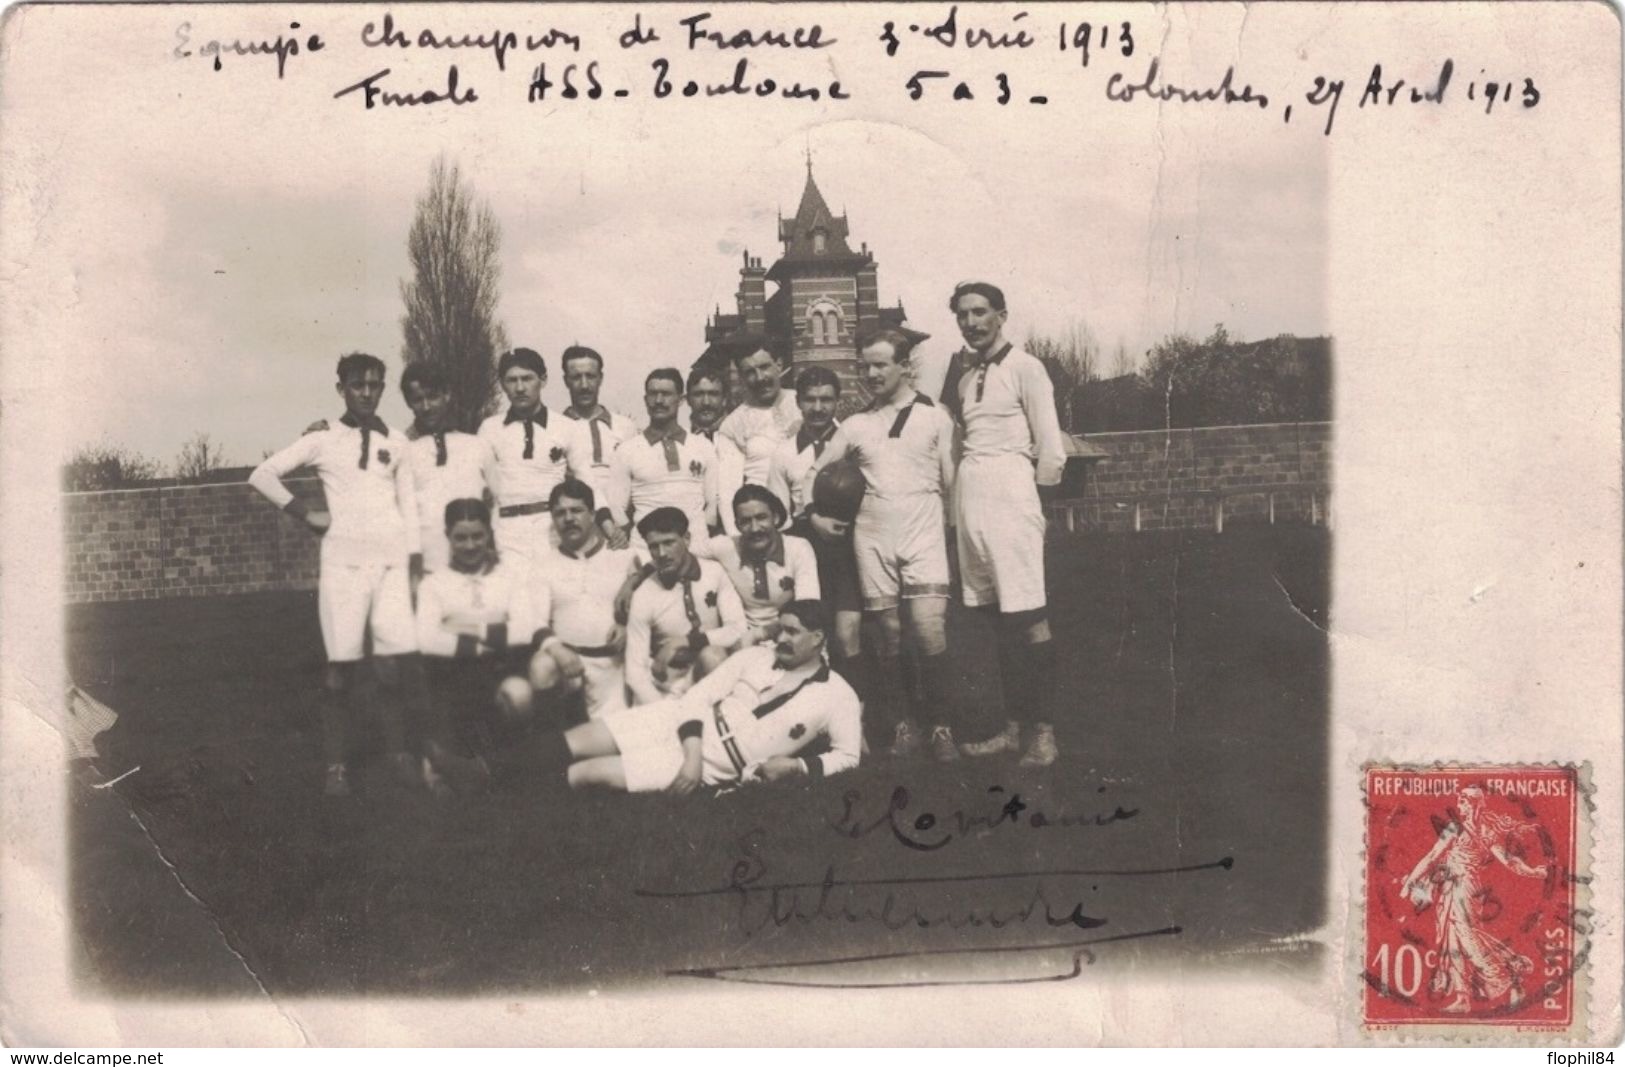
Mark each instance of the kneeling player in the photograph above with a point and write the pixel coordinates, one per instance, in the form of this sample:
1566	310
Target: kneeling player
744	722
581	598
474	627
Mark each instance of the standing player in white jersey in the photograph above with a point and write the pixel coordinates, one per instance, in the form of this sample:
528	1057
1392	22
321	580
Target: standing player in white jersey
707	407
445	463
746	722
683	621
767	417
665	465
530	451
1013	449
904	445
580	599
369	544
818	391
605	430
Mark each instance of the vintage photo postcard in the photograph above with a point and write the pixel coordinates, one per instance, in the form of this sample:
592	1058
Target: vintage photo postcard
810	524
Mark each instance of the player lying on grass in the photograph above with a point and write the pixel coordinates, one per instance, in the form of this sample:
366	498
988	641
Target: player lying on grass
474	626
745	722
369	545
768	568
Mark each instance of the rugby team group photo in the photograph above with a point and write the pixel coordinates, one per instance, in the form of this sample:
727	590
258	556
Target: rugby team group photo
749	591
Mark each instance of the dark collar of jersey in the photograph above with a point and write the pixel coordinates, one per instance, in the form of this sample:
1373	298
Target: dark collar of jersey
601	415
971	359
369	425
950	385
904	412
673	432
368	422
774	553
592	546
820	675
804	439
689	573
539	416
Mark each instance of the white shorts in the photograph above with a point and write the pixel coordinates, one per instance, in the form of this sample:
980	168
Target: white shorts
349	598
603	684
1001	534
524	541
651	754
901	552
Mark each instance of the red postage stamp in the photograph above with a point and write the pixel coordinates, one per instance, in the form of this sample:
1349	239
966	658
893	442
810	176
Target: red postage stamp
1470	909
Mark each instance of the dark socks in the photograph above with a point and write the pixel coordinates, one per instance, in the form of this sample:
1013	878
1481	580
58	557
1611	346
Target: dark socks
940	704
335	720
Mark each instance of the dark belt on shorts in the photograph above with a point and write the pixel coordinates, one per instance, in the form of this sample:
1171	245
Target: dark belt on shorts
513	511
594	651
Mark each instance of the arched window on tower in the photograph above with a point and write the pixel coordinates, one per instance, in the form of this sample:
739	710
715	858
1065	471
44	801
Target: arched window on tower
824	322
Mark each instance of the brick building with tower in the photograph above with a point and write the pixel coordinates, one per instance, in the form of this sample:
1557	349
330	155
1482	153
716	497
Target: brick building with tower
825	294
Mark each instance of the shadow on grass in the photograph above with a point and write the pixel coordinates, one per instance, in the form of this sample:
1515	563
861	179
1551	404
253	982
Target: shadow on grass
1193	727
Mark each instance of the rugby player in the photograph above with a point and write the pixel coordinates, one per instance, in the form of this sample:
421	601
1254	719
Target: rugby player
743	723
581	598
685	620
665	465
1013	453
707	406
904	445
445	463
768	567
583	377
369	539
529	453
767	416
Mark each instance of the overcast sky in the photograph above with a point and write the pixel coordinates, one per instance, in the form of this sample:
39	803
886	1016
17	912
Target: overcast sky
226	247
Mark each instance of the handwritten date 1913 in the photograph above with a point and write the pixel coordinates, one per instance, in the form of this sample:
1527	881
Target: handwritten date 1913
926	832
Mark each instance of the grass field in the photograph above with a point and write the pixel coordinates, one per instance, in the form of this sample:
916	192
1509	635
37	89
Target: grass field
1196	674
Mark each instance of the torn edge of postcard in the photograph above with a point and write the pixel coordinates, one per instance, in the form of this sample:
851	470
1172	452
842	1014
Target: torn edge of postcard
1476	920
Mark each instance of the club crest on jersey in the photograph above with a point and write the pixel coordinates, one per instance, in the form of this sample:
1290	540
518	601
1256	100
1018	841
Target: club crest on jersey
696	468
556	455
797	731
383	455
788	584
711	599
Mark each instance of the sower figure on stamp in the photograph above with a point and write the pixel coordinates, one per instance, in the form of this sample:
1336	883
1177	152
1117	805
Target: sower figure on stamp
904	445
1472	961
1013	454
369	550
605	430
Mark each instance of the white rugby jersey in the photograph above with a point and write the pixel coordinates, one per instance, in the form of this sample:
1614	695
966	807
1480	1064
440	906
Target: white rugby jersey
556	450
750	709
790	462
788	571
370	496
756	432
1007	405
603	434
702	599
445	466
457	610
574	596
906	452
676	469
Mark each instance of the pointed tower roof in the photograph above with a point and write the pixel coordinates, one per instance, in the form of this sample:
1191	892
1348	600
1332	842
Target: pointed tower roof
812	217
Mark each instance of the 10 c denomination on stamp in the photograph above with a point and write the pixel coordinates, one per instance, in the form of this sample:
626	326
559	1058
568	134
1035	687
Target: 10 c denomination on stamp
1473	915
